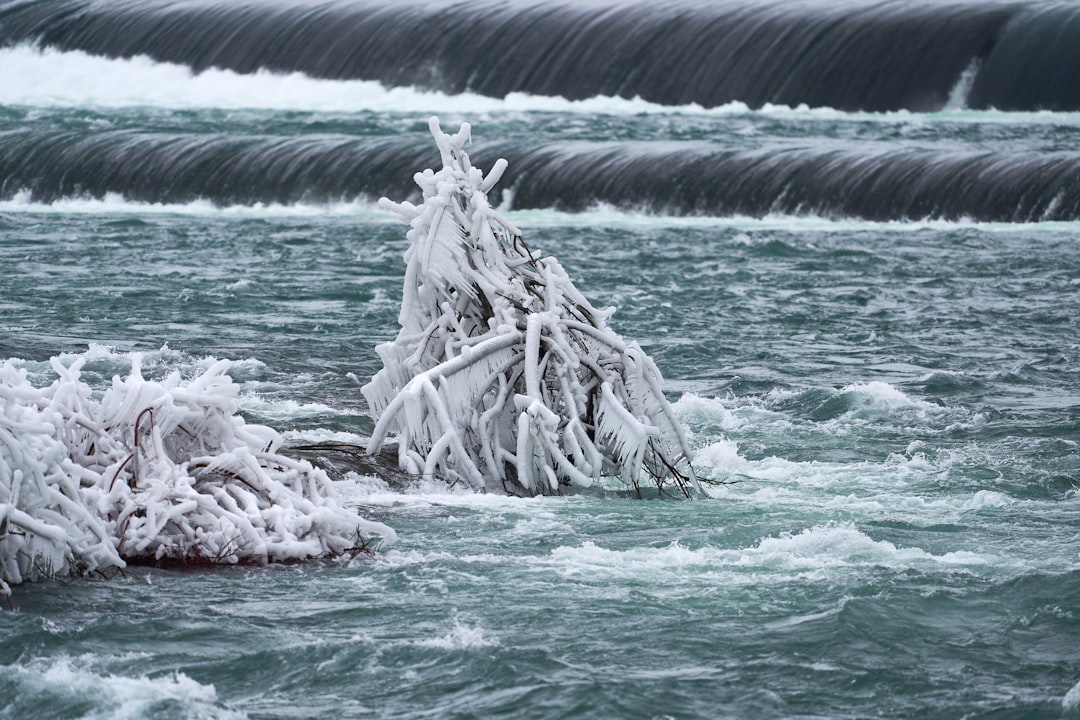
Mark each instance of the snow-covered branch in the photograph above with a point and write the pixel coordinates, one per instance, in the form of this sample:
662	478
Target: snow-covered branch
503	376
153	472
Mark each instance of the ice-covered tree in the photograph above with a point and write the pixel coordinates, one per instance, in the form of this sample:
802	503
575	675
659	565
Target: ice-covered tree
193	483
503	376
153	472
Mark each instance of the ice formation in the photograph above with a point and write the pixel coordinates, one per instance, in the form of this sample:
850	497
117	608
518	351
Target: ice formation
152	471
503	376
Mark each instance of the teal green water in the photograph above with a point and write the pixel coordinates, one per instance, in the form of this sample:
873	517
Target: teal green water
896	407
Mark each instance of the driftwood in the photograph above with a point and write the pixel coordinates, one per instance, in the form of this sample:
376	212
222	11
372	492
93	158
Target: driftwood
503	376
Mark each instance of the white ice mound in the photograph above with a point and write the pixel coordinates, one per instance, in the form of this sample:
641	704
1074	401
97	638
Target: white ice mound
153	472
503	376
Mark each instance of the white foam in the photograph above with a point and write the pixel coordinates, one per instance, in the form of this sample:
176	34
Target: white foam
762	478
51	78
363	210
876	400
988	499
437	493
712	411
461	637
543	525
842	544
396	559
323	435
605	215
118	697
875	396
286	409
901	487
116	204
721	455
882	395
812	553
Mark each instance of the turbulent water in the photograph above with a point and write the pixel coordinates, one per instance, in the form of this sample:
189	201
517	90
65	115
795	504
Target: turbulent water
846	232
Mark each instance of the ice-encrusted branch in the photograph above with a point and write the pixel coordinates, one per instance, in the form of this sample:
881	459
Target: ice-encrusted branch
47	523
503	376
153	471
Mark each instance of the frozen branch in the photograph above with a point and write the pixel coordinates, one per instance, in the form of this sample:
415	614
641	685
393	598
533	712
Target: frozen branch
153	472
503	376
